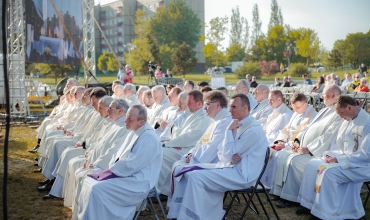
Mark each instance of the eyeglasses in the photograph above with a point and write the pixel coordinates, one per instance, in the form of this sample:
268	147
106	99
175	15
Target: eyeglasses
209	103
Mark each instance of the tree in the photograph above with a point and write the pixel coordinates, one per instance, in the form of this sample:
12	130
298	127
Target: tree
257	23
236	31
276	17
335	58
235	52
257	52
183	60
106	62
239	36
60	71
276	43
307	43
175	24
249	68
269	67
165	53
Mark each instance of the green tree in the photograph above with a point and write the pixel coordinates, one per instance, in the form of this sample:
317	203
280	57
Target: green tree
235	52
298	69
308	43
257	52
276	17
256	28
104	59
276	43
165	53
335	58
183	60
175	24
60	71
249	68
215	35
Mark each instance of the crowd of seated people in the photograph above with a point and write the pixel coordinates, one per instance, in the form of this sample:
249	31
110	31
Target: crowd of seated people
103	154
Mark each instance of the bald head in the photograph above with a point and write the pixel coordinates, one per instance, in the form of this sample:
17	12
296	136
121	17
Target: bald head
330	94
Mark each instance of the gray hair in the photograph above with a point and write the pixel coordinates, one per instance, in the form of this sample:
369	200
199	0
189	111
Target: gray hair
264	88
121	104
106	100
118	87
131	87
143	88
183	96
363	79
80	88
245	83
143	115
73	81
159	88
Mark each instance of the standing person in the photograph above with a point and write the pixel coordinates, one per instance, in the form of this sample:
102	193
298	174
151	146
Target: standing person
362	69
129	74
121	74
158	73
281	67
307	81
254	83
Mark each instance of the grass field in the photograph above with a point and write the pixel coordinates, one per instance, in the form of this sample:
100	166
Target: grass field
25	202
196	77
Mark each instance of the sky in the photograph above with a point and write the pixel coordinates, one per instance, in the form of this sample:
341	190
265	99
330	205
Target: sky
331	19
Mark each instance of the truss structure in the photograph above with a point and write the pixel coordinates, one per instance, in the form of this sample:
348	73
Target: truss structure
16	58
89	38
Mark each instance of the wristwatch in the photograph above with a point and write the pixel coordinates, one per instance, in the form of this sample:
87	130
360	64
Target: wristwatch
163	145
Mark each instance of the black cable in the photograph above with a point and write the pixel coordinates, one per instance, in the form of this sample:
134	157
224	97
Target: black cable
7	109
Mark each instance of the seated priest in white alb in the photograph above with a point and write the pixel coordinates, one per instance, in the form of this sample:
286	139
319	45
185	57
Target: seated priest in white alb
205	151
184	138
129	92
312	142
337	177
59	146
169	112
279	118
242	87
263	109
175	121
108	136
140	92
118	92
148	102
241	156
55	114
303	115
115	192
70	115
114	84
161	103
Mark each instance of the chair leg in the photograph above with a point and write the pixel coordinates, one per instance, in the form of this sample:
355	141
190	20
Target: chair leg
152	207
263	207
140	209
269	200
160	205
248	203
254	208
229	206
368	194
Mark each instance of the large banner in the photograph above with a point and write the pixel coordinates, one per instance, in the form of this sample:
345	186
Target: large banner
47	41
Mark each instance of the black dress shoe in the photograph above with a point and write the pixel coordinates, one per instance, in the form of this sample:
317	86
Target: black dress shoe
275	198
302	211
49	196
37	170
44	182
46	187
36	164
285	204
34	150
36	159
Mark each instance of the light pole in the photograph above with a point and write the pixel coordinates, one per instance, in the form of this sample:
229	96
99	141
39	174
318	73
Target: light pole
129	47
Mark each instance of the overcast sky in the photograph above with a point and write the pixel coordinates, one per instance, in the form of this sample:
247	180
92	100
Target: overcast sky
331	19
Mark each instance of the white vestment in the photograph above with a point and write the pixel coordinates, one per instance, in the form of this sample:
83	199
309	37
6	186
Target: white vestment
339	195
277	120
262	111
157	110
185	137
252	101
205	151
166	115
317	137
204	189
137	173
132	100
296	124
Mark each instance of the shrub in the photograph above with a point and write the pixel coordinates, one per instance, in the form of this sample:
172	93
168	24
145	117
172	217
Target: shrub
249	68
298	69
269	67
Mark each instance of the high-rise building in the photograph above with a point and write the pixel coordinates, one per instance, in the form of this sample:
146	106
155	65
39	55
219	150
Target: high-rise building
116	20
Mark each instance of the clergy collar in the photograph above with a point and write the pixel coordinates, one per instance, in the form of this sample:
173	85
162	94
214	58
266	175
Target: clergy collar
123	118
244	120
281	108
221	114
198	112
144	127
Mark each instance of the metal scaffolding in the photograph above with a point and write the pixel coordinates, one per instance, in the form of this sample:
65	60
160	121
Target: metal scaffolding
89	38
16	58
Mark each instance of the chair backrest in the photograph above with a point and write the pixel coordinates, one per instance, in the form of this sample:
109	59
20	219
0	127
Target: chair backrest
267	156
